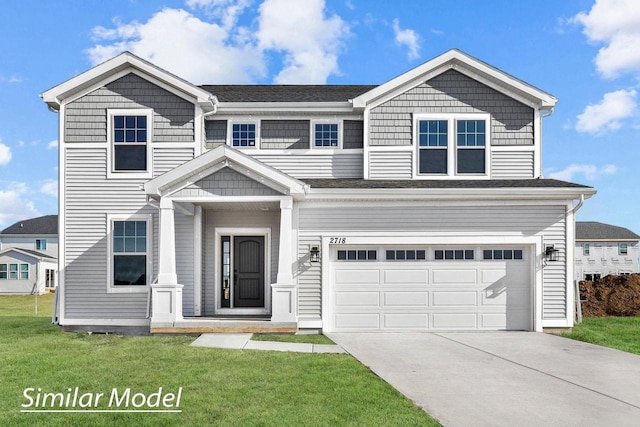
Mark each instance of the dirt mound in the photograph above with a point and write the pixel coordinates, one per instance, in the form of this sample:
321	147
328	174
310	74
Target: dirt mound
611	296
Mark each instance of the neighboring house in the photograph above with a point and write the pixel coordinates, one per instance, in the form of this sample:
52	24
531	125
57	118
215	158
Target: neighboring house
414	205
29	256
603	249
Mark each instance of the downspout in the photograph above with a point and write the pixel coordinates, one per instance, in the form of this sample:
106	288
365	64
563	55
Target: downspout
576	289
578	206
214	103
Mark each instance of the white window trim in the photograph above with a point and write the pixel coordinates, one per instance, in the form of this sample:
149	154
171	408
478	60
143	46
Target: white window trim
452	148
129	289
20	271
312	135
113	174
231	122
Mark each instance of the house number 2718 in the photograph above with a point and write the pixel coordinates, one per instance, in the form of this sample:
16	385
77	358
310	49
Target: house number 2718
337	240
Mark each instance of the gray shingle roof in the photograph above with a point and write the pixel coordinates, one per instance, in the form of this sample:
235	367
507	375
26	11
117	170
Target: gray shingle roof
286	93
37	254
451	183
592	230
47	224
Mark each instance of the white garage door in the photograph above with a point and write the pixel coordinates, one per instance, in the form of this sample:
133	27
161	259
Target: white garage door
430	288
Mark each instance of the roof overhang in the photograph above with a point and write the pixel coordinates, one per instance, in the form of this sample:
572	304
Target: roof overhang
465	64
42	257
213	161
586	239
104	72
284	107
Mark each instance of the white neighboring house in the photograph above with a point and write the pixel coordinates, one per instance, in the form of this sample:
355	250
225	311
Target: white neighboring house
414	205
29	256
603	249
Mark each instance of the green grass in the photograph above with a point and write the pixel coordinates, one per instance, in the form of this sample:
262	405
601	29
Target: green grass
309	339
622	333
220	387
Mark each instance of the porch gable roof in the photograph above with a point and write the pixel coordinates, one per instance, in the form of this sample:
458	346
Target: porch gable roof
215	160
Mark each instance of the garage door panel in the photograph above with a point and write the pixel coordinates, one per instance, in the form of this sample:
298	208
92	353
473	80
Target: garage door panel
455	321
457	277
454	298
357	276
357	321
509	295
405	321
357	299
491	276
493	321
418	277
406	299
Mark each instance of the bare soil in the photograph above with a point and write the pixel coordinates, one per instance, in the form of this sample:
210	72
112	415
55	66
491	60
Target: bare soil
611	296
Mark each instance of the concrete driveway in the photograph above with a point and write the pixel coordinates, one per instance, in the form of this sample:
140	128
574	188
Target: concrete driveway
505	378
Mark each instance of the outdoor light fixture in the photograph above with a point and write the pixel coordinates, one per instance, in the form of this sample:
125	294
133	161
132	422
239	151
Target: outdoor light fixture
551	253
314	254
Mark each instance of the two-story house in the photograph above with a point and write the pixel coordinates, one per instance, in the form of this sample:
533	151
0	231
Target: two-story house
603	249
414	205
29	256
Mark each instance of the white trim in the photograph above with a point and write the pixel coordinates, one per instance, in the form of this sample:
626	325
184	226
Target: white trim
148	218
304	152
243	121
452	146
325	121
218	232
230	108
111	172
105	322
533	243
227	199
537	143
570	262
525	148
366	147
405	147
310	324
197	260
198	131
62	261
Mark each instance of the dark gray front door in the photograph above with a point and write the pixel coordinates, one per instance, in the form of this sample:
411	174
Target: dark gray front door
248	271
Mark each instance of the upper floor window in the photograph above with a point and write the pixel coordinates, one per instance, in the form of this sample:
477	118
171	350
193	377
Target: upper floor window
326	135
41	244
586	248
130	137
243	134
452	145
622	249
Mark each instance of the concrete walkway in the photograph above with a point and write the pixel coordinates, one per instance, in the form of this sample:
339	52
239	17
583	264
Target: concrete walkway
244	342
505	378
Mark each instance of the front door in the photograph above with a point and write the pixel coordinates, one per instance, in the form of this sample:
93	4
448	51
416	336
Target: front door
248	272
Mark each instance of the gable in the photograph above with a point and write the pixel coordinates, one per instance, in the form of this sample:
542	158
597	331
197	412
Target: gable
227	182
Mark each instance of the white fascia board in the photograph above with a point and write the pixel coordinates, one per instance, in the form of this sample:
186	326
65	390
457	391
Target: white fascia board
608	240
242	164
270	107
448	194
468	65
6	251
56	95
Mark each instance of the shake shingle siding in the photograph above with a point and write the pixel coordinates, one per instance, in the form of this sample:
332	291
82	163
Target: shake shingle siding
86	117
451	92
227	182
353	134
284	134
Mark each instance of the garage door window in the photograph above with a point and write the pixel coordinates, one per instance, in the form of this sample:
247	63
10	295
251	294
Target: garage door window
357	255
406	255
454	254
502	254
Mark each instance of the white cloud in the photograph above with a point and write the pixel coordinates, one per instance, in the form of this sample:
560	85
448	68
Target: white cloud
590	172
310	40
5	154
13	204
606	115
227	11
50	187
198	51
616	24
52	145
408	38
20	143
10	79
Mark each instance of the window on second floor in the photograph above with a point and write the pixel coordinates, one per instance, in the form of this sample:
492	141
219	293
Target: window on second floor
129	142
243	135
41	244
326	135
586	249
452	145
623	249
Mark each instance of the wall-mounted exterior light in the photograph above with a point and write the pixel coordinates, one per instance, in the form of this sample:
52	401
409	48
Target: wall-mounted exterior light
551	253
314	254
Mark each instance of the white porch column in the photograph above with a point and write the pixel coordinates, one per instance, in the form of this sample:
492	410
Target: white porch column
166	295
284	295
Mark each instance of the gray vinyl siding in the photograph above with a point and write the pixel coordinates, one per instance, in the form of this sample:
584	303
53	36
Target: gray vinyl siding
215	133
185	260
451	92
390	164
18	286
309	277
86	117
284	134
20	242
512	164
343	165
227	182
239	219
353	134
546	221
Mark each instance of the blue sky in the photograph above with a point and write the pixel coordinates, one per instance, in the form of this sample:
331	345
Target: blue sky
584	52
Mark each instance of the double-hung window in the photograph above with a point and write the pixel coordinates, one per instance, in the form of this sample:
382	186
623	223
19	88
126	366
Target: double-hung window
585	249
24	271
13	271
623	249
244	135
130	258
41	244
130	139
326	135
3	271
451	145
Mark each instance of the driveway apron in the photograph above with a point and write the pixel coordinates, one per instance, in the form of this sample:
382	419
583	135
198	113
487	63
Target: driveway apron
505	378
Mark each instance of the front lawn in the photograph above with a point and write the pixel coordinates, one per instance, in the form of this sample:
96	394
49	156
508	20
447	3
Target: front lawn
308	339
622	333
219	387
